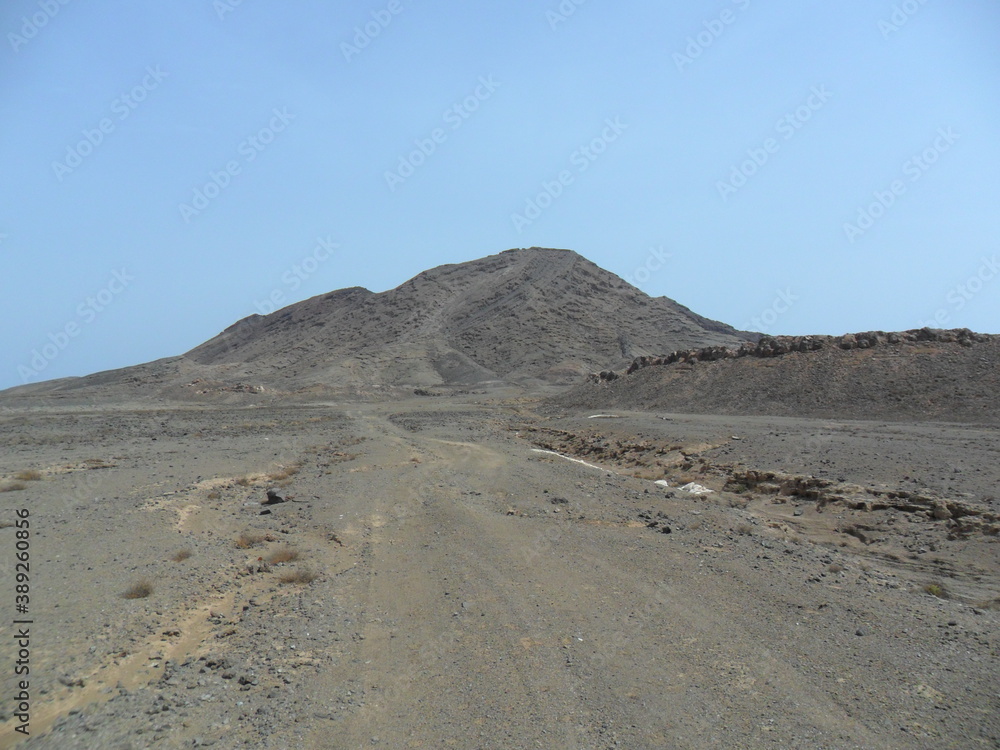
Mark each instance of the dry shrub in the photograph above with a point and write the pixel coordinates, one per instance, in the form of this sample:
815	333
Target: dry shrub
937	589
283	555
745	529
139	590
181	555
835	568
13	486
649	473
244	481
249	539
29	475
301	575
285	472
214	495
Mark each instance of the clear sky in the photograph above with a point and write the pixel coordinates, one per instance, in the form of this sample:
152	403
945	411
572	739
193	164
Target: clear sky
792	166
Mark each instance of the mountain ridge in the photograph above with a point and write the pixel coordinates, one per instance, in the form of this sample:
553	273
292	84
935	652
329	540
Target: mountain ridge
919	375
525	316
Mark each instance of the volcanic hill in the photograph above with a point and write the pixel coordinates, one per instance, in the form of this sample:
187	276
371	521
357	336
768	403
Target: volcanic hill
526	316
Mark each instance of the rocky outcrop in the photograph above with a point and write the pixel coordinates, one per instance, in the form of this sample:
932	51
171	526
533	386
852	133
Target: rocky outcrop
963	517
777	346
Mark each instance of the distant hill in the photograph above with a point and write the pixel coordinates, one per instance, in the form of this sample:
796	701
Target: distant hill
950	376
530	316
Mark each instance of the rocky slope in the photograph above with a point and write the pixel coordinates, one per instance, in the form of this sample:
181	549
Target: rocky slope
919	375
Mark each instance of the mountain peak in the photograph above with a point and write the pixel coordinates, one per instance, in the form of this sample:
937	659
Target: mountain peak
522	316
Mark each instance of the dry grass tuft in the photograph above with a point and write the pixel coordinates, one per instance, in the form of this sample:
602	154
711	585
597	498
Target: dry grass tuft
13	486
301	575
835	568
244	481
745	529
214	495
283	555
181	555
651	474
285	472
249	539
29	475
938	590
139	590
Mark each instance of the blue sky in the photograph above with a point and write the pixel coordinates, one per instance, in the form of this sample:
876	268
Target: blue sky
792	166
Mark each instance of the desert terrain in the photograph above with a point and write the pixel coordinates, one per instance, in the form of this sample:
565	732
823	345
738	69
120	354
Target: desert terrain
284	541
448	584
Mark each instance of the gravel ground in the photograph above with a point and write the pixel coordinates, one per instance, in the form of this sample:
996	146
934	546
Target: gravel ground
433	580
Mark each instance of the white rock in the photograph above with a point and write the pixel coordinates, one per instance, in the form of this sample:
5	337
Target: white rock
696	489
